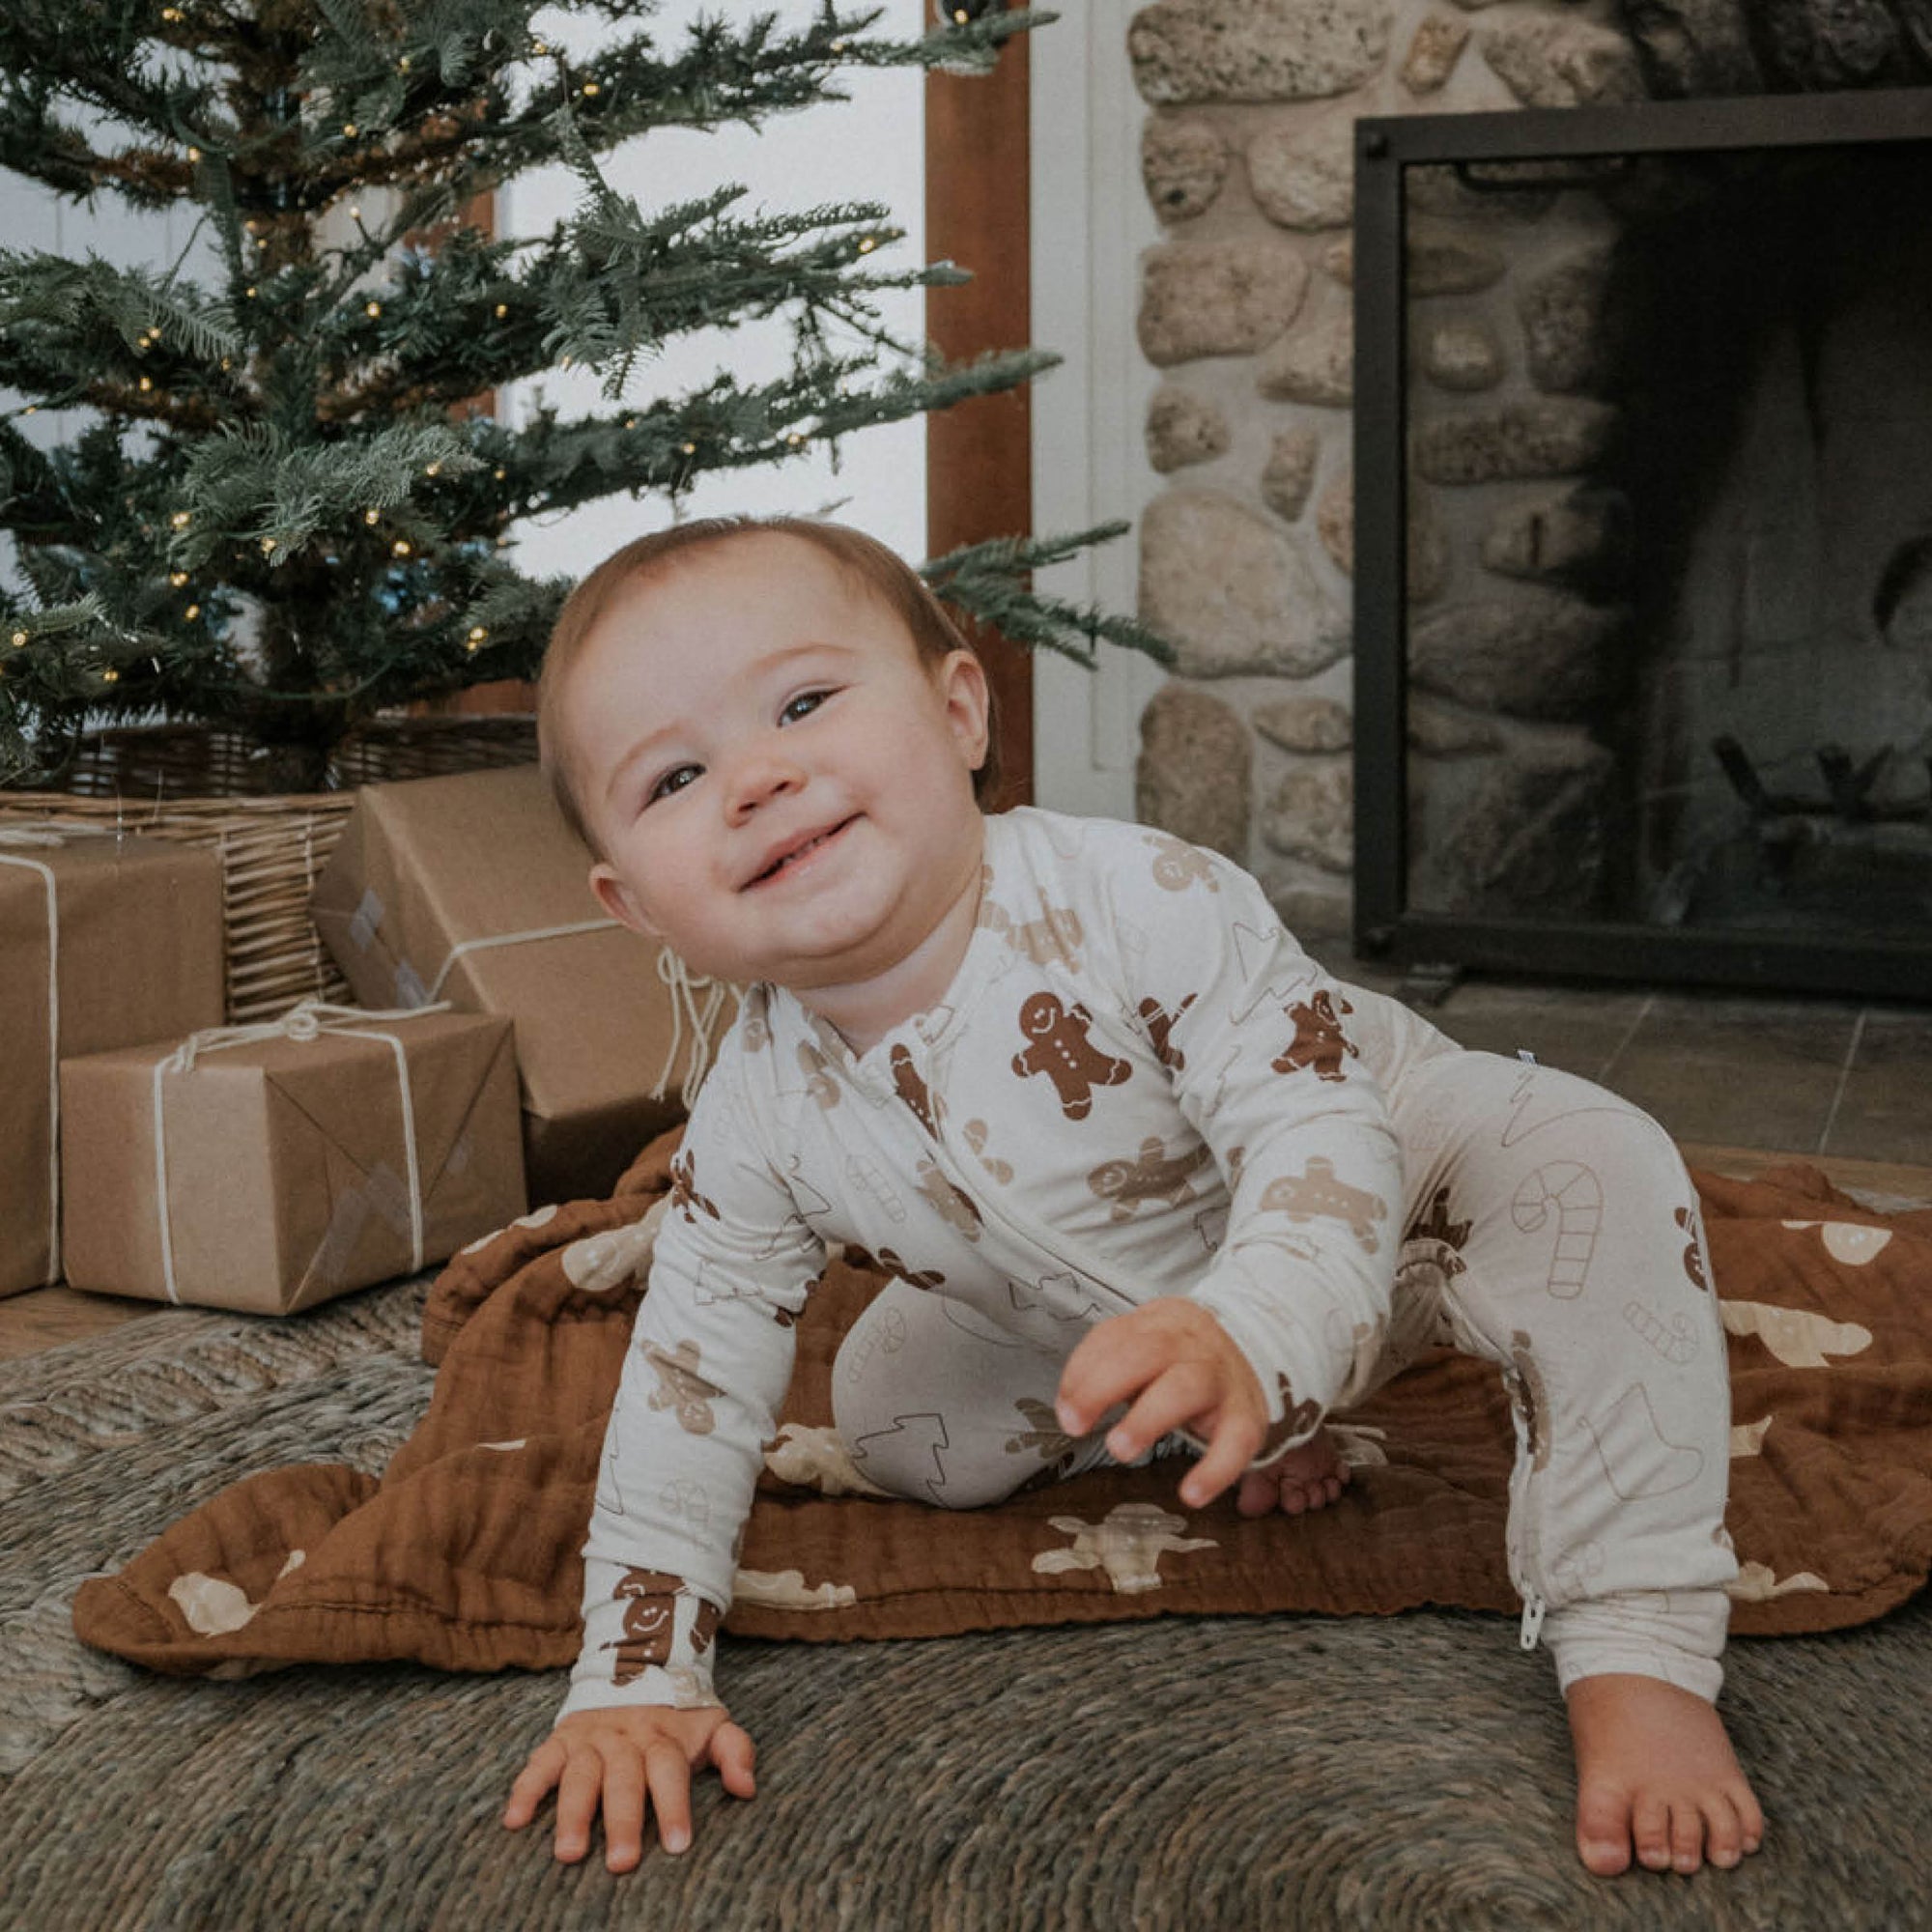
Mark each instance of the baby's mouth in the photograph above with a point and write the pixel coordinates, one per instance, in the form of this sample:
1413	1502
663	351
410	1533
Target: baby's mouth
785	860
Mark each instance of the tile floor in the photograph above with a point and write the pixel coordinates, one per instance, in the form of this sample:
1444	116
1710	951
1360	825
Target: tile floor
1808	1076
1733	1077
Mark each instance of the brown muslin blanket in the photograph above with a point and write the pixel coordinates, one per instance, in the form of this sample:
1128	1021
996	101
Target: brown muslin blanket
465	1554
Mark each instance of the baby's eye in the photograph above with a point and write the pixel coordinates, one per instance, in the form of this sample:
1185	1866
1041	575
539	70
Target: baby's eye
675	780
801	706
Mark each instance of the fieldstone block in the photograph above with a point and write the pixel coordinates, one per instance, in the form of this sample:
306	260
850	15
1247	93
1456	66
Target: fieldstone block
1305	177
1557	436
1183	163
1441	732
1433	53
1307	911
1548	62
1290	470
1463	356
1567	337
1256	49
1543	656
1193	775
1311	816
1218	298
1689	49
1579	535
1234	593
1535	835
1315	364
1428	559
1306	724
1823	45
1439	262
1184	428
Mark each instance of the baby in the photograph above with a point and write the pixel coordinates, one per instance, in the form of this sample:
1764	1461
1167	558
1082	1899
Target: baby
1141	1175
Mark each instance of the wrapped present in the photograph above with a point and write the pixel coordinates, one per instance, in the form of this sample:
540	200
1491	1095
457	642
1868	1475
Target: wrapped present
104	942
473	890
273	1166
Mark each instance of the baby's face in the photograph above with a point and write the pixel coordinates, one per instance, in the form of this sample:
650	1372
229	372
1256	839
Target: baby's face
782	789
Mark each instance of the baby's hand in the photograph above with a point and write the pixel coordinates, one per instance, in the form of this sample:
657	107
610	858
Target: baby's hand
1180	1370
624	1755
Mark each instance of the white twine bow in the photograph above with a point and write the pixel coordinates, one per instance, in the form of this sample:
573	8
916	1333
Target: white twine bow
684	989
45	835
695	999
306	1020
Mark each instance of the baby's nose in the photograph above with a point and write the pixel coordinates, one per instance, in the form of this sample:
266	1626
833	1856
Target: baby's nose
762	777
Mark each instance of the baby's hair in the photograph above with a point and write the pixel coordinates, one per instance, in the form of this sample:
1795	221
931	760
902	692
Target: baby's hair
880	570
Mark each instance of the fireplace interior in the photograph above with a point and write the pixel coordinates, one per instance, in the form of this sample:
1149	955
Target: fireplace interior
1644	409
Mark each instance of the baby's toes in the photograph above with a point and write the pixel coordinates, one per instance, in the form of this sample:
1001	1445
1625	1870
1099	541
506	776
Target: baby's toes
1687	1836
1723	1831
1650	1832
1257	1494
1603	1831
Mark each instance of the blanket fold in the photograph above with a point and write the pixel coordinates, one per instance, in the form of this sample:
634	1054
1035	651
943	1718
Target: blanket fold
465	1555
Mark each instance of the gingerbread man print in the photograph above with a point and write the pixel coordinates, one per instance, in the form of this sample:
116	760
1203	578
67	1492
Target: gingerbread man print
912	1089
1161	1023
681	1387
1318	1192
1058	1046
1176	866
685	1198
651	1614
1297	1418
1318	1040
1154	1175
888	1262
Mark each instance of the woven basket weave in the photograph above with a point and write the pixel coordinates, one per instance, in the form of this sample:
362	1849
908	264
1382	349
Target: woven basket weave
155	782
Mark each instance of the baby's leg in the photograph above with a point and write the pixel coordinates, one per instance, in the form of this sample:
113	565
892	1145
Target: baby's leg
1571	1255
938	1403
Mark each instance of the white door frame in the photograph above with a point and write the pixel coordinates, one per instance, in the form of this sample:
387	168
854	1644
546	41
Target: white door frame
1090	223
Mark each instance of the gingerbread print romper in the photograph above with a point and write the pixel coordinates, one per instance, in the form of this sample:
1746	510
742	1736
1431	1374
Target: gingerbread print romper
1138	1085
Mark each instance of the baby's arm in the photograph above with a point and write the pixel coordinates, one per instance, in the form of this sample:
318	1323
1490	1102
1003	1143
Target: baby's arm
1254	1038
707	1369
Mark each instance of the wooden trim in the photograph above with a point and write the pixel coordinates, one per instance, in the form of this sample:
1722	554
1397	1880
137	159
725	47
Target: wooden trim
979	461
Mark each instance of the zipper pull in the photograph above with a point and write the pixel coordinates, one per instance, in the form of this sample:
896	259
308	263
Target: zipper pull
1533	1608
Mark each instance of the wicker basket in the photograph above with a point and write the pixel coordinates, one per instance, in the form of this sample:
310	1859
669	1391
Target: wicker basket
204	788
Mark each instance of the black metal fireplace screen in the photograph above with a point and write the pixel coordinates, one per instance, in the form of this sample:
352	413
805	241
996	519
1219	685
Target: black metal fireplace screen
1643	542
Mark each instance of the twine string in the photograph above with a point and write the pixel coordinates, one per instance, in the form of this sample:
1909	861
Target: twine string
306	1020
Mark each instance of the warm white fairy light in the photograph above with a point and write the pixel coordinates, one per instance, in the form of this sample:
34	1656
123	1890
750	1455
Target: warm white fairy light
400	547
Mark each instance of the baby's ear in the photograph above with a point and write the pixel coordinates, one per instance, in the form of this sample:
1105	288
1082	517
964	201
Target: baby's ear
962	682
618	900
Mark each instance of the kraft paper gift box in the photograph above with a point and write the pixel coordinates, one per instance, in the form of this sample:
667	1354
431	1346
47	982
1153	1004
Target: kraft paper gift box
472	889
286	1173
104	942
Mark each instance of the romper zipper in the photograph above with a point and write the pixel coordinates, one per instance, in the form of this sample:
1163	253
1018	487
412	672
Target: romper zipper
1533	1608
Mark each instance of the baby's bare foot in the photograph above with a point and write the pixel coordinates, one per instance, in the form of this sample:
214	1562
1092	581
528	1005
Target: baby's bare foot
1307	1477
1655	1773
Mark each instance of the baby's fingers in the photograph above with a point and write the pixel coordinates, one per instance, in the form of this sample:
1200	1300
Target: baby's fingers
578	1792
668	1773
1177	1396
1230	1450
541	1771
735	1755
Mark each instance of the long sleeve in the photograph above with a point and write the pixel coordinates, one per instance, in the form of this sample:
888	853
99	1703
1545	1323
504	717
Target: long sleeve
709	1363
1255	1037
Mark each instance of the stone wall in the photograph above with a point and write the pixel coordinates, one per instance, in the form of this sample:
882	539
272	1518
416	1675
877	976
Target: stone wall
1245	308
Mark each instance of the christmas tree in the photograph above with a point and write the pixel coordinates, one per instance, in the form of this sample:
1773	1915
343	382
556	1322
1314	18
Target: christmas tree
286	513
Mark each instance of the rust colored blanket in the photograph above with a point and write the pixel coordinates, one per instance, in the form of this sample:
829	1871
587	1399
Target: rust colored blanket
465	1554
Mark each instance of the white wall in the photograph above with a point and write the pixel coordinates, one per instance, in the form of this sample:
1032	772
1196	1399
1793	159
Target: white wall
868	148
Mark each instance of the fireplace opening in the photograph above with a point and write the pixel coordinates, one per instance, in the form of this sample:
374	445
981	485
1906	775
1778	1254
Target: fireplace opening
1644	409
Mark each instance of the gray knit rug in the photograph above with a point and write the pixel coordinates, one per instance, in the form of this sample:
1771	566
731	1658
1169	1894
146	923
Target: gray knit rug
1237	1773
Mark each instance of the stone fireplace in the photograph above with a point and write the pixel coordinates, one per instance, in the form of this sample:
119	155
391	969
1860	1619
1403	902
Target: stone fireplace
1665	610
1679	726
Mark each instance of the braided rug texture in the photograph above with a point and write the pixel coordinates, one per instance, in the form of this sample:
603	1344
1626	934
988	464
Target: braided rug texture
1198	1772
